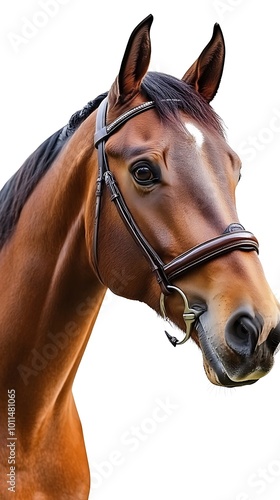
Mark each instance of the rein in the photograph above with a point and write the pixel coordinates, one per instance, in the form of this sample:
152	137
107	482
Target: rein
234	237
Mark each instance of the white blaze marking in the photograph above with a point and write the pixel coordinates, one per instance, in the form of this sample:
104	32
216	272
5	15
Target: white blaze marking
196	133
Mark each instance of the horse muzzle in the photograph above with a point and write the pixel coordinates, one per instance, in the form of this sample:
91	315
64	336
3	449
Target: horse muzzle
241	359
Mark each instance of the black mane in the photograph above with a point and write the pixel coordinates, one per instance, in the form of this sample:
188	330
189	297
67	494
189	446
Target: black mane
16	191
169	95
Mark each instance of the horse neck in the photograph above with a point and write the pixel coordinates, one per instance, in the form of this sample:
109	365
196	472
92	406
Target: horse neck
50	295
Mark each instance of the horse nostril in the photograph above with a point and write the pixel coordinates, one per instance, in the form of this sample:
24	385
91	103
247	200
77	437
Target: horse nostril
242	334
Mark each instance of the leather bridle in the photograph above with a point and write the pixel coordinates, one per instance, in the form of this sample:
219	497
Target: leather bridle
234	237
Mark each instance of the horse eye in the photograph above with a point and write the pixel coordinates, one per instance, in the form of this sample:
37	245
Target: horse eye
144	175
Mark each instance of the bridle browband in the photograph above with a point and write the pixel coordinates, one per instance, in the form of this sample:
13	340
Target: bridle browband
234	237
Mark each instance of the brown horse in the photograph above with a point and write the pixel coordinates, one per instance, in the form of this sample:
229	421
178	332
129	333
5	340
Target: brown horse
149	213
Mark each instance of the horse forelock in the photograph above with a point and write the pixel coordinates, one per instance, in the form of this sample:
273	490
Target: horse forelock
171	95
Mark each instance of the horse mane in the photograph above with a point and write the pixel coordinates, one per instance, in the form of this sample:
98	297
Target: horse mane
169	95
19	187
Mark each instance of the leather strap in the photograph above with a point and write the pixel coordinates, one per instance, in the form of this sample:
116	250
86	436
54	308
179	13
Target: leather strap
103	132
211	249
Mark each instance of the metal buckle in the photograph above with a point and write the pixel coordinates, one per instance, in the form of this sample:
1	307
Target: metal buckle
189	315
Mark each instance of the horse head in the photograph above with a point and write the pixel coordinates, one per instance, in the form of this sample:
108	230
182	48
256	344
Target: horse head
164	158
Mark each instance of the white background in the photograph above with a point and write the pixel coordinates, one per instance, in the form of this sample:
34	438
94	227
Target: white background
209	443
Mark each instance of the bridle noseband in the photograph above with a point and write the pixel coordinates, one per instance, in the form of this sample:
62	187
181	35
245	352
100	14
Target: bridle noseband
234	237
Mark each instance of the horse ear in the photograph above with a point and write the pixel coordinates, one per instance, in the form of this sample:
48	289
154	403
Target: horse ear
206	72
134	65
